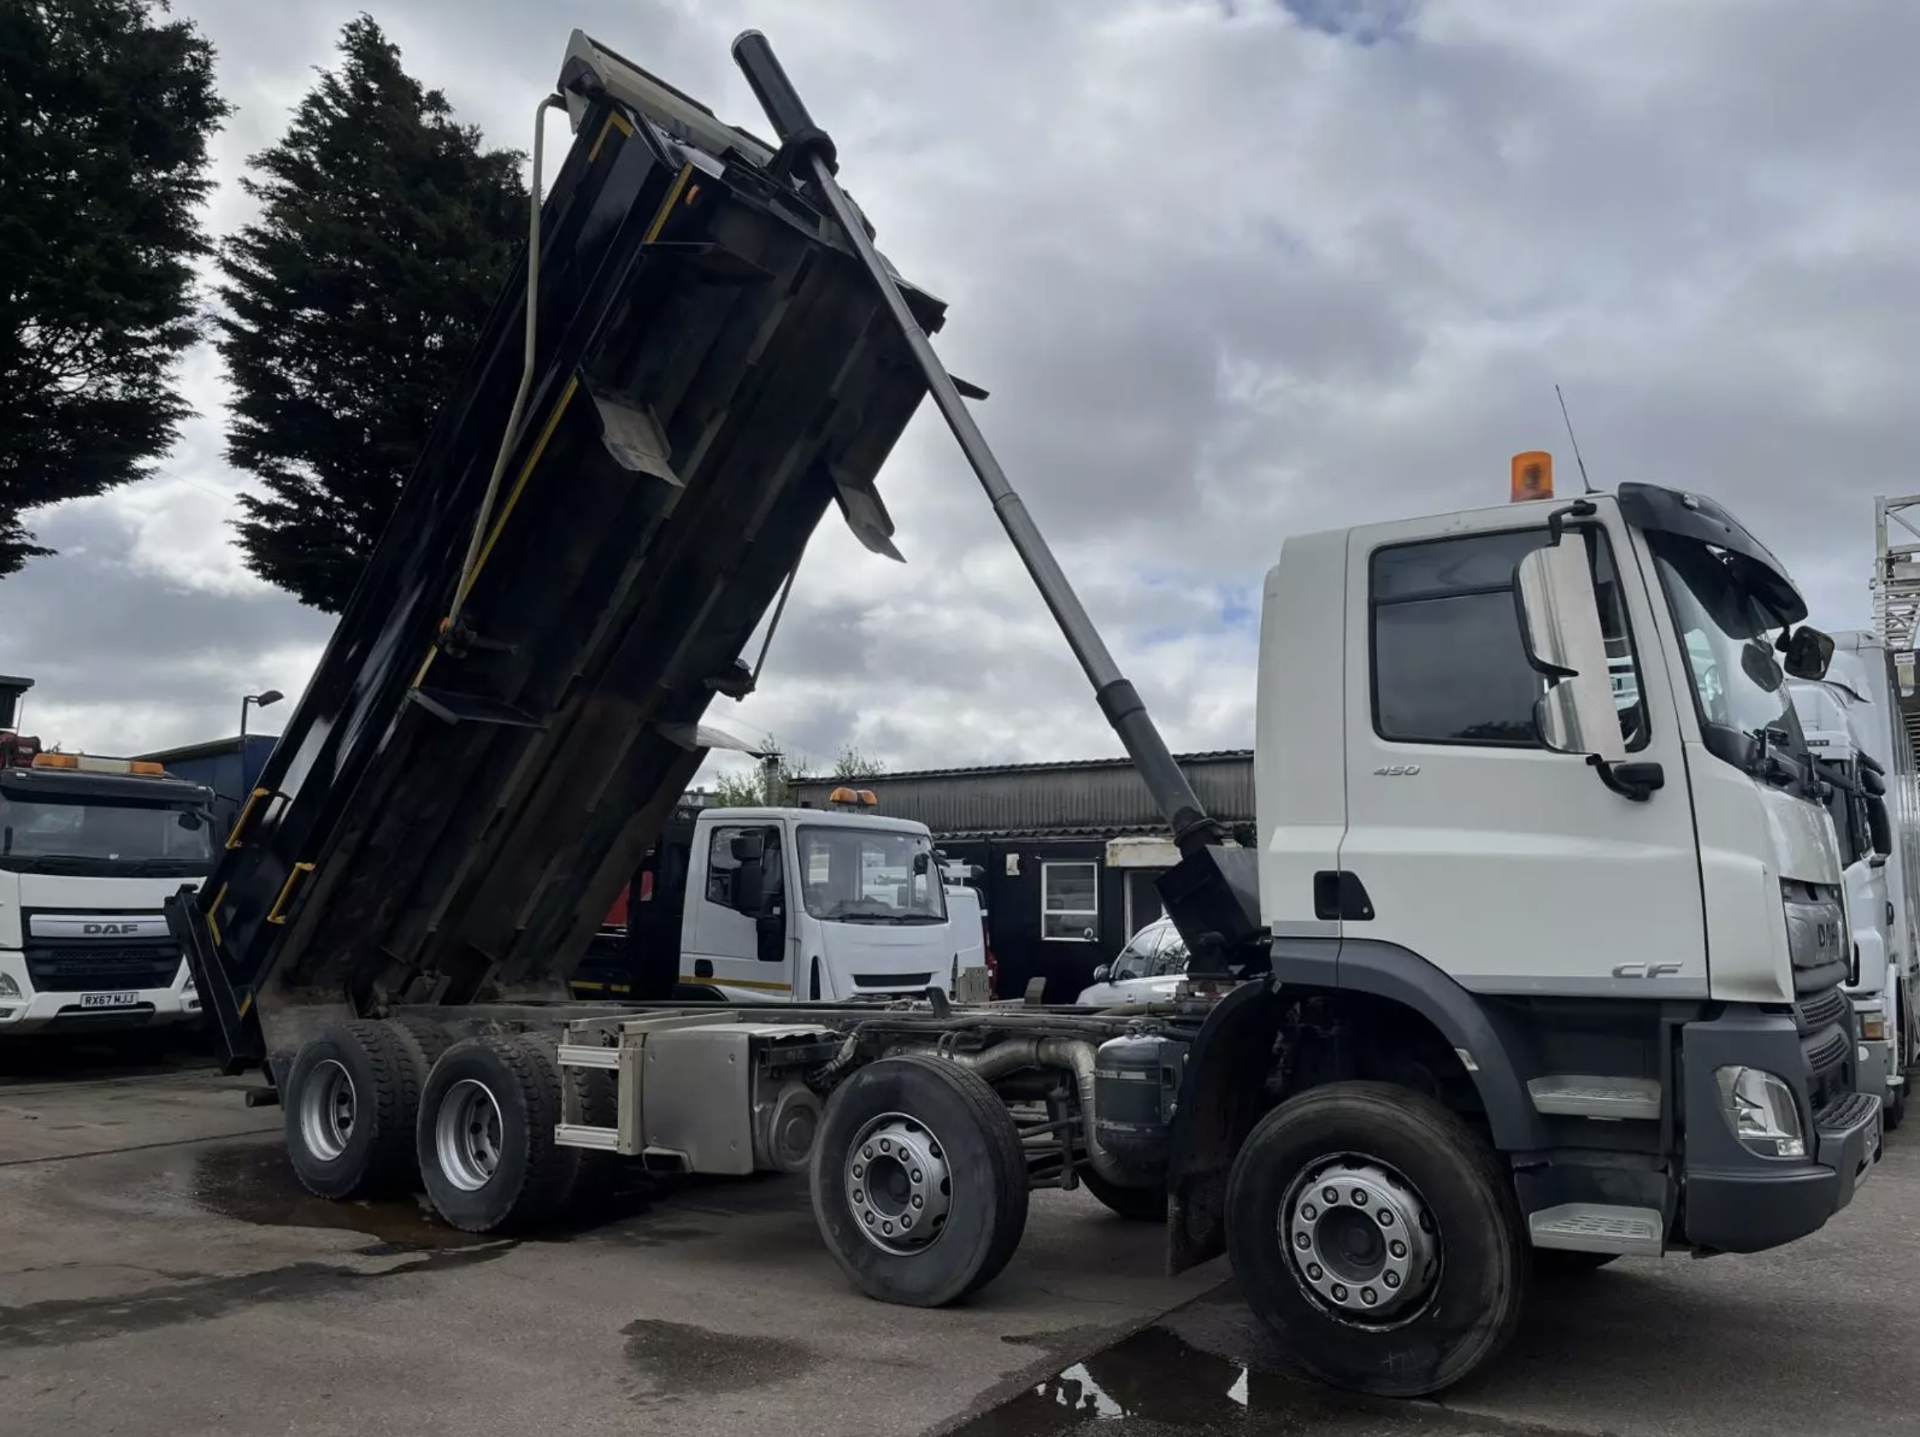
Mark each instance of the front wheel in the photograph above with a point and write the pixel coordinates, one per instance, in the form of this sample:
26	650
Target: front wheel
919	1181
1377	1235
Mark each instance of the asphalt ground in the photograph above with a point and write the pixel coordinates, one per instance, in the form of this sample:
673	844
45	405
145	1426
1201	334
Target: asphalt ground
161	1273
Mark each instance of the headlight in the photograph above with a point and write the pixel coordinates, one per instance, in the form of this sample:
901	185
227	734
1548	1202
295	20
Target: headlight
8	988
1762	1111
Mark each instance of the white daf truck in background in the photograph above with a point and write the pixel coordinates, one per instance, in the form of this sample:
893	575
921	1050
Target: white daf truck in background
1513	973
90	849
1853	724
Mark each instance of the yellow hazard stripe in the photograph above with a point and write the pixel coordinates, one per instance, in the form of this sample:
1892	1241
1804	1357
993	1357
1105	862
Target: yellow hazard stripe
757	984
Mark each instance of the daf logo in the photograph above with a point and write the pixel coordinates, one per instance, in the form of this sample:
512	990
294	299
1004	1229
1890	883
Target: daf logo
95	930
1646	970
1826	935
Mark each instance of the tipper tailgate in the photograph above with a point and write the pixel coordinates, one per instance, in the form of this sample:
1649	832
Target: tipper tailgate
447	816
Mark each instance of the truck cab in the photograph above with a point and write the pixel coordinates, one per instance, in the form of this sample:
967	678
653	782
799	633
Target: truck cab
816	905
778	905
1858	727
90	849
1577	831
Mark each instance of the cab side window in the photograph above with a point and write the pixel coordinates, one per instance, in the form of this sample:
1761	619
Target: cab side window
1448	662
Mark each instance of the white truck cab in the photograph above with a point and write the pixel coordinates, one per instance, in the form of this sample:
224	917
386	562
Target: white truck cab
90	849
1853	724
805	904
1592	854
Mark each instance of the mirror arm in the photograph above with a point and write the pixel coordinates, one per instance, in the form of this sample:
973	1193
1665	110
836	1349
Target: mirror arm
1636	782
1556	521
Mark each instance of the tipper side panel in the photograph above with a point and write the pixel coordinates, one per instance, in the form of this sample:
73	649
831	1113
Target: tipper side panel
446	822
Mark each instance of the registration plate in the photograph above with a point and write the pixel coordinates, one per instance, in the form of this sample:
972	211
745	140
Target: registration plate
109	1000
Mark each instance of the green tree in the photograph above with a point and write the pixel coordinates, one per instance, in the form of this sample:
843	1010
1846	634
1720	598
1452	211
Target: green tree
106	108
769	783
854	762
352	305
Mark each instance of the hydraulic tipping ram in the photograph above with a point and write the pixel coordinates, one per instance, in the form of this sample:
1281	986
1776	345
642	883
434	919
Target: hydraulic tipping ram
1212	894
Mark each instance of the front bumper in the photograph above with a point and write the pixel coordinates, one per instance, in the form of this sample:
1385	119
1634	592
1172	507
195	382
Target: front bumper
25	1009
1735	1200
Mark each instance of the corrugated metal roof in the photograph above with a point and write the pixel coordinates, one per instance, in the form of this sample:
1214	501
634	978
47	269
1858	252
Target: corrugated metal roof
1090	797
1062	765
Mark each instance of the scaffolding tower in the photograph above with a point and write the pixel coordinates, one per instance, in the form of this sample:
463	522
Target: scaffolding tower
1896	593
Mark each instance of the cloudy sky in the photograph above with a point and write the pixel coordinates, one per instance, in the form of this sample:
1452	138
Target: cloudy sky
1230	268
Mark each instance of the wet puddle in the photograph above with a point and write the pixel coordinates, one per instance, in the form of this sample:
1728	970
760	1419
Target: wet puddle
1154	1381
253	1182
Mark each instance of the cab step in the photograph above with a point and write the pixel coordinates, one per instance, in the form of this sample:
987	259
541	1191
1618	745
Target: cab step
1599	1227
1573	1095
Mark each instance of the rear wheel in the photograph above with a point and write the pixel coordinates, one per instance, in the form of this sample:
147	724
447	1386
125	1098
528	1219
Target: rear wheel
350	1101
919	1181
1135	1204
1377	1235
485	1135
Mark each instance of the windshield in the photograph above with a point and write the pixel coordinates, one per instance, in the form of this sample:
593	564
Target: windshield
864	875
100	837
1739	688
1157	951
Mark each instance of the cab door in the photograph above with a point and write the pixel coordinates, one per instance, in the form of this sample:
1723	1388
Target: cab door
740	919
1511	868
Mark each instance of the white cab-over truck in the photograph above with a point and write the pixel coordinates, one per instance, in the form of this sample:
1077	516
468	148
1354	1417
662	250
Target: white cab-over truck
769	905
1505	974
1853	725
90	850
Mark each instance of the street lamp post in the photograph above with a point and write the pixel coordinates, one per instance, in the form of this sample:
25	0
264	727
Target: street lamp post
271	696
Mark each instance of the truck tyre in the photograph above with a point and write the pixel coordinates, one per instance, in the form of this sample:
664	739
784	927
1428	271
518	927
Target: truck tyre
350	1100
919	1181
485	1135
1135	1204
431	1039
1377	1235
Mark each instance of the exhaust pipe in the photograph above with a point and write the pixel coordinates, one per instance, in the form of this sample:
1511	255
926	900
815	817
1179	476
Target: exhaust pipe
1073	1055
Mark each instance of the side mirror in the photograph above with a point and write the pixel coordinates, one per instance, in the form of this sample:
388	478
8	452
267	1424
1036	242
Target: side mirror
1807	652
749	884
1560	632
1102	973
747	847
1756	662
1560	628
921	863
1879	826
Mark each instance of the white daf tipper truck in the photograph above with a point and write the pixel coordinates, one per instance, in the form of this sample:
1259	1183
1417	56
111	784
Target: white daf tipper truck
90	849
1507	973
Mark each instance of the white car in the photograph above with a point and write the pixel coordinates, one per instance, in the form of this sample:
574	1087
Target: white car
1149	968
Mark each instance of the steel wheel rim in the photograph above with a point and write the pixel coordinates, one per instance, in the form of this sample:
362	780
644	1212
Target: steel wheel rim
327	1105
1360	1240
467	1135
898	1184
